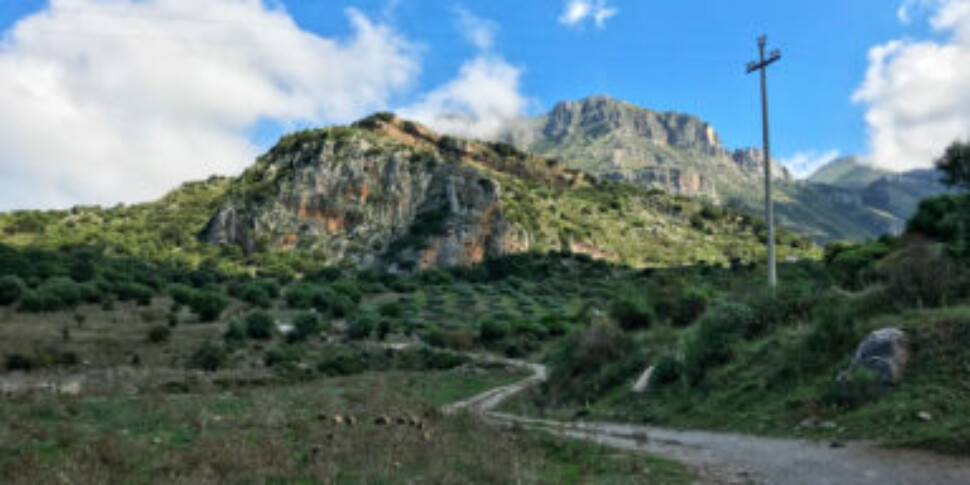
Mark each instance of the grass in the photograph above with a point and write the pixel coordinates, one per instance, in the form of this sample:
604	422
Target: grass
285	434
771	388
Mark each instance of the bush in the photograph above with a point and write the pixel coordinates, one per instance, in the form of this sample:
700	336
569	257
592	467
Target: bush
342	363
259	326
493	331
11	289
182	294
305	325
384	327
856	388
39	302
713	341
591	362
362	327
236	332
208	356
667	371
391	309
208	305
159	334
137	292
301	295
632	313
833	332
255	295
688	307
18	362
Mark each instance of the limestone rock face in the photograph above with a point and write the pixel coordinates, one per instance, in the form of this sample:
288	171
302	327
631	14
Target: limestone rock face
364	196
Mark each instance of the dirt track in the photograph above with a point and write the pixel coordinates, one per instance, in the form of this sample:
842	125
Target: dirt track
734	458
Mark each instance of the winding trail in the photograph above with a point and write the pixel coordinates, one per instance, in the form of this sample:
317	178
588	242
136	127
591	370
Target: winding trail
732	458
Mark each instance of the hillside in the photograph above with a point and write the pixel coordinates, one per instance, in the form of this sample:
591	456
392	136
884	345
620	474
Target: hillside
394	194
682	154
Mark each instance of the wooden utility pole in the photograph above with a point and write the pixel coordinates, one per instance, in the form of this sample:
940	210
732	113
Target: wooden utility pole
762	66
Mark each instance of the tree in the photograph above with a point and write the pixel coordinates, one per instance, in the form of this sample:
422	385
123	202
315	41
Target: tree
955	165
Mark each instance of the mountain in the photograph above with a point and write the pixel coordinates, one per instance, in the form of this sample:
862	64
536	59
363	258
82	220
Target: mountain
847	172
391	192
682	154
616	140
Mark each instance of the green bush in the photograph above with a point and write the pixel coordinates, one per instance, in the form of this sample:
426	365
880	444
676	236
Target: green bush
301	295
712	343
832	334
305	325
384	328
182	294
255	295
391	309
137	292
632	313
259	326
688	307
667	371
362	326
11	289
591	362
853	389
208	305
342	362
236	332
159	334
493	331
39	302
208	356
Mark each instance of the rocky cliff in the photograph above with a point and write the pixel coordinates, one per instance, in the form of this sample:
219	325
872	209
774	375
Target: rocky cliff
393	193
675	152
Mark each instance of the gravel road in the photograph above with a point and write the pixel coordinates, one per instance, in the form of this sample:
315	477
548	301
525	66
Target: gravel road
733	458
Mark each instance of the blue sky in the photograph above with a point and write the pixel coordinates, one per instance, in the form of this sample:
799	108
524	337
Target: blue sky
685	56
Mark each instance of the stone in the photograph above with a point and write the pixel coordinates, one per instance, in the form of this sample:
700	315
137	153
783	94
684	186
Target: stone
885	353
924	416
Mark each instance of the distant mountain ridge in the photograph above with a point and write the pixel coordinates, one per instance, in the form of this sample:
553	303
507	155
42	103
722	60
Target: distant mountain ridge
676	152
682	154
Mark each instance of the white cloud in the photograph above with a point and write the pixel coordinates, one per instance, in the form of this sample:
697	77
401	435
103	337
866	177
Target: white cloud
917	93
484	96
478	32
803	164
577	11
107	101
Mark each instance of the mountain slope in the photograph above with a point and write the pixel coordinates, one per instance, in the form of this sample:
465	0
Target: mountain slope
683	155
847	172
392	192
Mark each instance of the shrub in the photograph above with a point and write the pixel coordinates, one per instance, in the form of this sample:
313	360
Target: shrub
668	370
259	326
853	389
11	289
392	309
18	362
592	361
833	332
688	307
361	327
208	356
631	313
236	332
137	292
301	295
255	295
305	325
39	302
493	331
712	342
208	305
159	334
342	362
182	294
384	327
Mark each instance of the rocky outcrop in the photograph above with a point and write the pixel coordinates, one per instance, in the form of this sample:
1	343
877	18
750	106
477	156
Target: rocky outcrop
884	353
379	192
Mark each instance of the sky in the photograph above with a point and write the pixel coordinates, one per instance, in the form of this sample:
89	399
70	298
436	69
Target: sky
106	101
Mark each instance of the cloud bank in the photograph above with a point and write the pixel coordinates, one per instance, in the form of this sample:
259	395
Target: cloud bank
107	101
917	93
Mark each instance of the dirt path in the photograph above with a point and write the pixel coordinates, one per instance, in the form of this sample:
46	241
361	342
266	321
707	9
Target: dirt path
734	458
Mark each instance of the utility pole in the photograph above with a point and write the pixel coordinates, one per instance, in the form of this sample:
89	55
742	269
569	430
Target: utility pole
762	66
